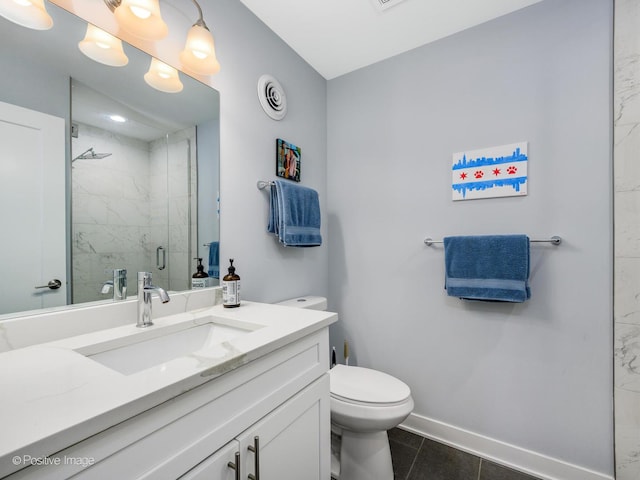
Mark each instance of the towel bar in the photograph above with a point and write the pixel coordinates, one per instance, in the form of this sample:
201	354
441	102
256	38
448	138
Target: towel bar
262	184
555	240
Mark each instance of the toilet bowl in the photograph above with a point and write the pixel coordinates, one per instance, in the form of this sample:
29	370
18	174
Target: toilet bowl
365	403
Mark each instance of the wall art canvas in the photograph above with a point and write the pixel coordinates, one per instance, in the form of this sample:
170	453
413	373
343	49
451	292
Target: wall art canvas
288	158
491	172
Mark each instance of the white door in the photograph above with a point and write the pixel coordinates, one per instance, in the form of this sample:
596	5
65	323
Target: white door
32	209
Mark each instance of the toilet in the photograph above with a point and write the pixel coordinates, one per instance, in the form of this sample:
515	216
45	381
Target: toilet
365	403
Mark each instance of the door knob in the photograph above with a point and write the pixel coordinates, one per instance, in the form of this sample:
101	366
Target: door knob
53	284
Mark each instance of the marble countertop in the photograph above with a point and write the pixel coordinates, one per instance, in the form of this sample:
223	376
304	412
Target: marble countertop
54	394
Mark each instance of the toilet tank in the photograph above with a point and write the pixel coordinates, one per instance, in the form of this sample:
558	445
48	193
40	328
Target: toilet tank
308	301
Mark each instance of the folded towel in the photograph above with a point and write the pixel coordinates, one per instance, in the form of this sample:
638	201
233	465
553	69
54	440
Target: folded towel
489	267
294	215
274	219
214	260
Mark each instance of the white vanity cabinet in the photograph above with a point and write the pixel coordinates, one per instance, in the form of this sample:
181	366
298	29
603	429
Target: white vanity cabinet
222	465
287	444
280	399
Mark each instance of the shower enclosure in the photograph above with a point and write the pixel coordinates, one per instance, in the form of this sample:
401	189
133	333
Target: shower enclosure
133	206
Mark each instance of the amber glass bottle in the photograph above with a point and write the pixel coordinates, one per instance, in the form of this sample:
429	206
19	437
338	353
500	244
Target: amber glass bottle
200	279
231	288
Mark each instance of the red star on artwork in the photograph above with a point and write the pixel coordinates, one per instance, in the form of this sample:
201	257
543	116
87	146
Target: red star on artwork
463	175
496	172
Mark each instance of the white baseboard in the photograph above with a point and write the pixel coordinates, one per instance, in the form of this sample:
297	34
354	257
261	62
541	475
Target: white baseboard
511	456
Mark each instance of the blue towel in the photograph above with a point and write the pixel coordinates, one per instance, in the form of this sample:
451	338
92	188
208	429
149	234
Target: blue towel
214	260
273	212
489	267
294	215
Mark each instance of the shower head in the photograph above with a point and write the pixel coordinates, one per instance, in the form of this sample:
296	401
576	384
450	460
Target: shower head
90	155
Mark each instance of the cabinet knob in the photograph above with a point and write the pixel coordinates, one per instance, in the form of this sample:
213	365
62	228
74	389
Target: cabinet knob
235	466
255	448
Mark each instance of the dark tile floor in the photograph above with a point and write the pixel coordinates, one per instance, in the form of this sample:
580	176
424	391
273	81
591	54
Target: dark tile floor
418	458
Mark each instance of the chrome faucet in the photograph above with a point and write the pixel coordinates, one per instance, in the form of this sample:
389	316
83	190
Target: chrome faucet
119	284
145	289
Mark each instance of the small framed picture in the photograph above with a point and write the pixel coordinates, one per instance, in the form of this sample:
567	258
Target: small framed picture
288	158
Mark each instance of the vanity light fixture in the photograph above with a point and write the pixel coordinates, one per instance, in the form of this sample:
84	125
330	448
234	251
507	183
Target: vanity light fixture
163	77
27	13
199	54
103	47
141	18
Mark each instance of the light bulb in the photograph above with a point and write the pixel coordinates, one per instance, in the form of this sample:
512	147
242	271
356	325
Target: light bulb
163	77
103	47
199	54
139	12
27	13
141	18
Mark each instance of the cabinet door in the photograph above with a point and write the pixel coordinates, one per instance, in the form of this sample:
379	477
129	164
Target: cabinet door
217	466
293	441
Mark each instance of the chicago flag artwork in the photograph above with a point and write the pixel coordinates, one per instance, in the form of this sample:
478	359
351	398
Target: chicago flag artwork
490	172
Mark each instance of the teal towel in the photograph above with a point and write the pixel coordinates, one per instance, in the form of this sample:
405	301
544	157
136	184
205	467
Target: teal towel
294	215
214	260
488	267
274	218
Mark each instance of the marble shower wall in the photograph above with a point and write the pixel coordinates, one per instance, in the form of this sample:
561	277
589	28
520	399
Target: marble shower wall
110	211
122	205
626	104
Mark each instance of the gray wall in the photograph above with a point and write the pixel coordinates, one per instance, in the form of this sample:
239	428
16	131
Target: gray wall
38	89
247	49
535	375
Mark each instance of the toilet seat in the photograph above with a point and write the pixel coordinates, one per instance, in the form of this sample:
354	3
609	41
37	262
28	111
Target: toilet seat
367	401
363	386
366	404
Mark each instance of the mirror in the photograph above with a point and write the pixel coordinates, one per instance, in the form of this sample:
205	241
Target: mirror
140	194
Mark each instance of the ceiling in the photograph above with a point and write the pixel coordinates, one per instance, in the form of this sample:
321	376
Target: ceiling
339	36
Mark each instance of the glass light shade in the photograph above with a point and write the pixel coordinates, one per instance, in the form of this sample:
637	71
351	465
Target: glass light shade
141	18
103	47
199	54
27	13
163	77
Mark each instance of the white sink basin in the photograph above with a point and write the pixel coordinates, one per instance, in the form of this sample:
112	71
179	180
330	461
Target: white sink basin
157	345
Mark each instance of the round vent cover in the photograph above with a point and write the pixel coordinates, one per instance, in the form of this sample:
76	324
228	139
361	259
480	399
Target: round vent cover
272	97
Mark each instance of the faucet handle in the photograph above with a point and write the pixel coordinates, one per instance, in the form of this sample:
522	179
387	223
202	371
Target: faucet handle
144	278
106	286
120	284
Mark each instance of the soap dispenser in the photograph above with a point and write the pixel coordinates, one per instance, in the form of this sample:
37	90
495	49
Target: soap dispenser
231	288
200	279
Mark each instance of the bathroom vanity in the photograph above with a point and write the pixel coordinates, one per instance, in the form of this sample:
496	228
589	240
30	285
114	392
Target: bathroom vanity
214	393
